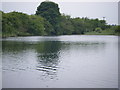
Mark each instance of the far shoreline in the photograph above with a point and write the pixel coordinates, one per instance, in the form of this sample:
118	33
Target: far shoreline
62	35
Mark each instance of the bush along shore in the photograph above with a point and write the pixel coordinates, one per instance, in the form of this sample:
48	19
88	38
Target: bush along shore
48	21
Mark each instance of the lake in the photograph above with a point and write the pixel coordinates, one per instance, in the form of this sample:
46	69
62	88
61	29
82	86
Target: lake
75	61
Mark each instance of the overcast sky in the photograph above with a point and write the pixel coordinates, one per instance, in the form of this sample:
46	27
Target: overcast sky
74	9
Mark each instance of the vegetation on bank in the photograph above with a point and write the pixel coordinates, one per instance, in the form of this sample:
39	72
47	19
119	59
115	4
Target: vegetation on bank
114	30
49	21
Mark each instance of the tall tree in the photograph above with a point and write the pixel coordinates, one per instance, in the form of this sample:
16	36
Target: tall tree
50	11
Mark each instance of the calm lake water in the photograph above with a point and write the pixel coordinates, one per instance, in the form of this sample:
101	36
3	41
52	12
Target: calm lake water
76	61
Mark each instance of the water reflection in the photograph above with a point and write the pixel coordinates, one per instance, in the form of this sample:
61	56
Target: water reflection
15	47
47	54
48	57
61	60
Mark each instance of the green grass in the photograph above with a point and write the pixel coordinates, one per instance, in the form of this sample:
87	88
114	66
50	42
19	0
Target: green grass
104	32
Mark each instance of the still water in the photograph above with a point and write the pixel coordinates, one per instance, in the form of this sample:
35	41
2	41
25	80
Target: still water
76	61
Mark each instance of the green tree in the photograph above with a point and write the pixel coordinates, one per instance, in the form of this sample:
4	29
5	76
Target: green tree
14	23
48	28
98	30
79	26
66	27
50	11
36	25
117	29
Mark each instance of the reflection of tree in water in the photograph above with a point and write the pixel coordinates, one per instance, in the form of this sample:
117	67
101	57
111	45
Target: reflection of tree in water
12	46
48	57
47	54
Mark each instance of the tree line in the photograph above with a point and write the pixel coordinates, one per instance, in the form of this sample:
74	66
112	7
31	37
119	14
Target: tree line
49	21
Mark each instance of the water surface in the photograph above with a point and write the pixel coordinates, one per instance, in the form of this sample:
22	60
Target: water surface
76	61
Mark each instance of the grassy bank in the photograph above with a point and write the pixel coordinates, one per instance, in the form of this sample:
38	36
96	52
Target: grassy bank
104	32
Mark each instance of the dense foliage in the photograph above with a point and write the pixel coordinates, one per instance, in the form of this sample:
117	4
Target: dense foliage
50	11
49	21
20	24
